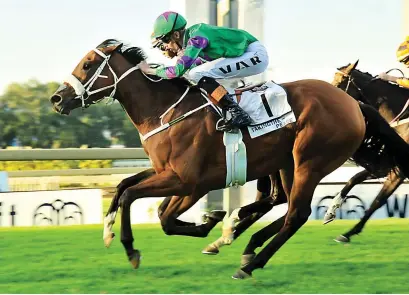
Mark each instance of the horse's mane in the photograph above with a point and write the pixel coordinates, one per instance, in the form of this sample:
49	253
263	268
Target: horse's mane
135	55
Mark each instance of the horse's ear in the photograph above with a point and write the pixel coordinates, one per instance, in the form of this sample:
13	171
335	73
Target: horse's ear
108	50
354	65
351	67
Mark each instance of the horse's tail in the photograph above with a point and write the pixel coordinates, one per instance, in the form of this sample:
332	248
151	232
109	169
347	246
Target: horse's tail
382	148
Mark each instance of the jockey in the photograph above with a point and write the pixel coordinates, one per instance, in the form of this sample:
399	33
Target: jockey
206	53
402	55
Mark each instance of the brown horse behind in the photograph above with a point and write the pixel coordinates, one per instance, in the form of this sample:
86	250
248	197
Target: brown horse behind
189	157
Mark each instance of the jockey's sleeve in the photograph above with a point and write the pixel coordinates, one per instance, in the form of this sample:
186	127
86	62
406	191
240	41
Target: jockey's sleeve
189	60
404	82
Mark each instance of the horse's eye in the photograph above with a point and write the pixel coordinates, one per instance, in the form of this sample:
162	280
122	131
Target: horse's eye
86	66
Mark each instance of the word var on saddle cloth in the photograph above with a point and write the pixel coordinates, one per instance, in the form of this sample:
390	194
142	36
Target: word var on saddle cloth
267	105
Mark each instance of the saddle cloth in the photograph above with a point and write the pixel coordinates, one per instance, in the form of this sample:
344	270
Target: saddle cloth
267	105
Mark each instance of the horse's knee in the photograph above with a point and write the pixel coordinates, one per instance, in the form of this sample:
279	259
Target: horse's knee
125	199
163	206
166	226
123	185
264	185
256	240
298	217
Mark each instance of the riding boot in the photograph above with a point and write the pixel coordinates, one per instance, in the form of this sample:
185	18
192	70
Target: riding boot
239	118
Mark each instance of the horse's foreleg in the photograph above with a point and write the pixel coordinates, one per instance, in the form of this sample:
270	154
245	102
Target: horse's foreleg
166	183
342	195
109	219
173	226
390	185
276	200
169	202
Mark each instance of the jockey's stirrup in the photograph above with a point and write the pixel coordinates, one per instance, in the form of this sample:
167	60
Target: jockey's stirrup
239	118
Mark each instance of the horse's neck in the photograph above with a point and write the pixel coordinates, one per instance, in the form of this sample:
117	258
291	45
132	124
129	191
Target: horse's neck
389	99
144	101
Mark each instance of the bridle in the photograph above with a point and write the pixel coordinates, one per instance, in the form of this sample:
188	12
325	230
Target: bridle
83	91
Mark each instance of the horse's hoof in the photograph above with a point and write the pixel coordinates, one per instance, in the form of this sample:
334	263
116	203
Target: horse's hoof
135	259
217	215
241	275
328	218
342	239
210	250
246	259
108	239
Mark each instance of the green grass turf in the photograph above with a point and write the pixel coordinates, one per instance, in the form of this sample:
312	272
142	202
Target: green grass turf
74	260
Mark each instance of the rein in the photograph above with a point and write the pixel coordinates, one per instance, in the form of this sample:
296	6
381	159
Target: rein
83	92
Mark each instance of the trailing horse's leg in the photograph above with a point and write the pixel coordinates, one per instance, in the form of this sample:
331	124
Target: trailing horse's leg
172	226
109	219
342	195
390	185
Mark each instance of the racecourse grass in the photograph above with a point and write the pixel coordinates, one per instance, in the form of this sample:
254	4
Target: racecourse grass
74	260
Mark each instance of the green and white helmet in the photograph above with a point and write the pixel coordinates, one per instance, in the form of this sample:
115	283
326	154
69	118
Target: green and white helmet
167	23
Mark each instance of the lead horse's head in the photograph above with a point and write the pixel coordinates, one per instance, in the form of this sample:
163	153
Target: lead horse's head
94	78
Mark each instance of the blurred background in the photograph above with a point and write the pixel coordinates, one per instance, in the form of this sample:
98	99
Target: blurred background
85	155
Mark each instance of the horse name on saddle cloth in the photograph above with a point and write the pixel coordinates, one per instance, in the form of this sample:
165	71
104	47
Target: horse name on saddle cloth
267	105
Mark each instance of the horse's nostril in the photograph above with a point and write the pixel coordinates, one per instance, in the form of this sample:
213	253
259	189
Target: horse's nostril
55	99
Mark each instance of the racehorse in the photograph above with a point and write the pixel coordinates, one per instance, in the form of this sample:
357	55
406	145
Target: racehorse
391	102
188	153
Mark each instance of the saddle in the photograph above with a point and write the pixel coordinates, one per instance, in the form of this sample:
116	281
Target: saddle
239	90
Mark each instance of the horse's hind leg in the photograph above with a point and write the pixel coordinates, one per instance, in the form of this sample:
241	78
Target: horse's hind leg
246	216
342	195
109	219
298	212
390	185
310	166
259	238
249	214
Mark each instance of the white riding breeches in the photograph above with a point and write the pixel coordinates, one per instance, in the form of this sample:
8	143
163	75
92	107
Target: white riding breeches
254	61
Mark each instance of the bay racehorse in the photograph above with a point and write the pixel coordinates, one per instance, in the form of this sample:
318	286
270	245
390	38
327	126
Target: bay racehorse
188	153
392	103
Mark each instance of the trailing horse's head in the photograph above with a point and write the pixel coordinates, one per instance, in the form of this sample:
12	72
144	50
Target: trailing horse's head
387	97
353	81
343	79
93	78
